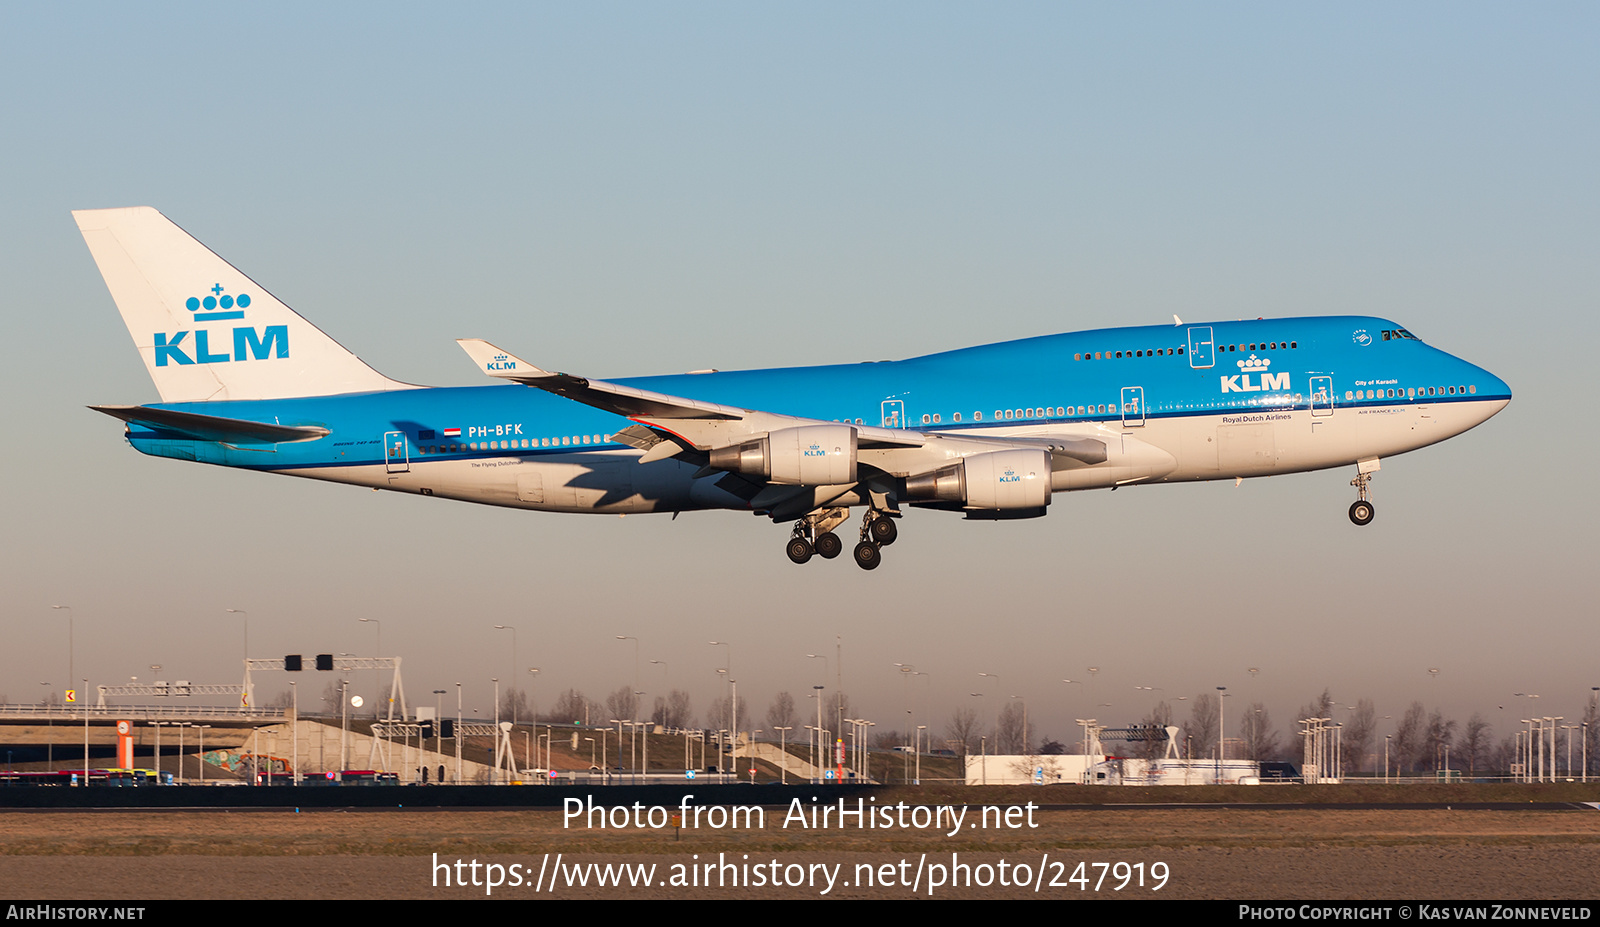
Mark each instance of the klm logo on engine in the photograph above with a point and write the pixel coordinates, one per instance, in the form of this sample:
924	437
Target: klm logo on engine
815	450
247	344
1255	367
1010	476
501	362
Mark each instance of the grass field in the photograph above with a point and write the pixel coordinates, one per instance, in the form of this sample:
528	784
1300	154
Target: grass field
1341	842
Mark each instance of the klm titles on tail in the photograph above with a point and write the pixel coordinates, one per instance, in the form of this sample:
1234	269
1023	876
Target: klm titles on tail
272	342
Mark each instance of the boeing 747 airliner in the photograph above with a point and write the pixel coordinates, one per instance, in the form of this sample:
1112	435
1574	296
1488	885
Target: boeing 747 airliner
992	432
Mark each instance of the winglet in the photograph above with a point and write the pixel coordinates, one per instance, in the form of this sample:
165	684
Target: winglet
499	363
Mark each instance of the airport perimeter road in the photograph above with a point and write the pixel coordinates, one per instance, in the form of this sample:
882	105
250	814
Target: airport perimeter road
1231	853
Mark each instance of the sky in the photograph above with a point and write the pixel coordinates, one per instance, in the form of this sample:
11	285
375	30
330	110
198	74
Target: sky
628	189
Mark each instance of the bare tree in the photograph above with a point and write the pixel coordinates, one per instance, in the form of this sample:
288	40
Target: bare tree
1319	707
672	710
717	715
1410	738
1476	743
964	730
569	708
781	712
1358	734
1009	733
1503	756
1439	735
836	707
331	697
1255	730
514	706
622	704
1052	747
1160	716
1201	731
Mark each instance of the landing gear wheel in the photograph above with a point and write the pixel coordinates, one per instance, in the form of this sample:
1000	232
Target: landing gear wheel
883	530
828	545
1361	512
868	556
799	550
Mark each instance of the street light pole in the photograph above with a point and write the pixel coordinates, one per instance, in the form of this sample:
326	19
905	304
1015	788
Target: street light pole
512	679
1222	727
820	745
294	749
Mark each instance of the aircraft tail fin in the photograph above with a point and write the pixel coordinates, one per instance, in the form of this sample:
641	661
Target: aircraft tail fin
205	330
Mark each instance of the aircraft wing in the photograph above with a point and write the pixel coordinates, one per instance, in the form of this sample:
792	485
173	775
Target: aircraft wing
701	425
670	425
623	400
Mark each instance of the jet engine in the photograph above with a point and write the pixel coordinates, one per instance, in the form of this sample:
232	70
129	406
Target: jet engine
809	455
999	481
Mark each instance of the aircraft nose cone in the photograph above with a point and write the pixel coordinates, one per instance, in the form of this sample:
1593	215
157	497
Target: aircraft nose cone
1493	394
1490	386
1499	386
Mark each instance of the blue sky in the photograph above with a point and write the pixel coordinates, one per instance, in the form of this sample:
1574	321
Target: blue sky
630	189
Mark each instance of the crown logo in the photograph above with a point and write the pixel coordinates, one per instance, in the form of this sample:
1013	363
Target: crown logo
216	300
1254	363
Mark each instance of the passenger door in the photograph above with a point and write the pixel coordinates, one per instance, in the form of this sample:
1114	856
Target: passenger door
396	451
1200	347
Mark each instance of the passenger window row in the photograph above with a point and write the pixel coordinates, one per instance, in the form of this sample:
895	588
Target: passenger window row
1412	392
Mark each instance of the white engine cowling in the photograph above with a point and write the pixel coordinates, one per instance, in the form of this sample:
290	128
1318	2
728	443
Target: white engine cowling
999	481
810	455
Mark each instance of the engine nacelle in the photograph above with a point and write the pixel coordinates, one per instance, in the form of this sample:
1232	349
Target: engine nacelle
999	481
810	455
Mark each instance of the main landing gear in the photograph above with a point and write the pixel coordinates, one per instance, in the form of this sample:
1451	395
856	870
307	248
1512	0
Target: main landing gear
813	534
1361	511
878	531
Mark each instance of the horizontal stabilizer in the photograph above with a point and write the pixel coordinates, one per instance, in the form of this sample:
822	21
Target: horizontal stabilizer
212	427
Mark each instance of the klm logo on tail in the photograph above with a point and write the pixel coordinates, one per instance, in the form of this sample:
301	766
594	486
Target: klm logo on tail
1240	382
272	341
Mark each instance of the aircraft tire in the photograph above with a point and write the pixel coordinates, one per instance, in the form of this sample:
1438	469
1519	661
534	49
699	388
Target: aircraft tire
799	550
1362	512
884	530
828	545
868	556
